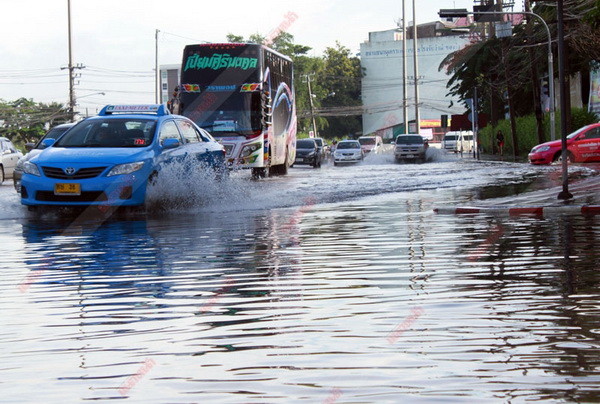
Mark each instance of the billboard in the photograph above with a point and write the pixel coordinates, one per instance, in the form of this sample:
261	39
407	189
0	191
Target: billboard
594	104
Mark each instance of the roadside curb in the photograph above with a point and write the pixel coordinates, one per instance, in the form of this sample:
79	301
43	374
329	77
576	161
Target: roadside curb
523	210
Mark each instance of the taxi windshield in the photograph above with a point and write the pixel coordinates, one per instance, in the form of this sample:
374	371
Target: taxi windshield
119	132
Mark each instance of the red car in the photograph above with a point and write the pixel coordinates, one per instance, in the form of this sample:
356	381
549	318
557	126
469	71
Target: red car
583	145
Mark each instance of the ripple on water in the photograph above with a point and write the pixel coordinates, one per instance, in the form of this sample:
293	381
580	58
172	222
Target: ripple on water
373	299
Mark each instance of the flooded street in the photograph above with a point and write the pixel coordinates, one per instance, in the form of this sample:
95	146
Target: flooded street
331	285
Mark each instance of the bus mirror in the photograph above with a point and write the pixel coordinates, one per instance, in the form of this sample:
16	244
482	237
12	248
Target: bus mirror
265	100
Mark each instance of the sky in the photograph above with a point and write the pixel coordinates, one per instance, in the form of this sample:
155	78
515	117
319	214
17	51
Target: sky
116	41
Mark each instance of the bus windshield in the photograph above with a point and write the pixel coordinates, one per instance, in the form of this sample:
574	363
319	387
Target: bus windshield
224	112
220	88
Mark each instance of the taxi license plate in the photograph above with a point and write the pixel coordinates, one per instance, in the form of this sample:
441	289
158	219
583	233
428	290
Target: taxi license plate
67	189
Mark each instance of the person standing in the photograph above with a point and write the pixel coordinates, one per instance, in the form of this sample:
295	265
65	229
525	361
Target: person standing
500	142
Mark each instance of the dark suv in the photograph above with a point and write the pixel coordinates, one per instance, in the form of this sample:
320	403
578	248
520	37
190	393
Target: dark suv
307	152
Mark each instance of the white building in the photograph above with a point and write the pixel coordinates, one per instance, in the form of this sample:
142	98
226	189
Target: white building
169	79
382	85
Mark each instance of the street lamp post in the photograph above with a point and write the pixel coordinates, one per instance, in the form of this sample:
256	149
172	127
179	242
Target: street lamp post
463	13
89	95
565	194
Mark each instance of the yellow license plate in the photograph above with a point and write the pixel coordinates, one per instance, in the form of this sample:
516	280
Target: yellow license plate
67	189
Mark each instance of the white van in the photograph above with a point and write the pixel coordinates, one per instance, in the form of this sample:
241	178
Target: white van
371	144
458	141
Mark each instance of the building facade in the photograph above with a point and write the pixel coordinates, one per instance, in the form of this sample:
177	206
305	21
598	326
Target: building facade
382	86
169	80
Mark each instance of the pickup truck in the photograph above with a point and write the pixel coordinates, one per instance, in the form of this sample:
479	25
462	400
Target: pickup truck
410	147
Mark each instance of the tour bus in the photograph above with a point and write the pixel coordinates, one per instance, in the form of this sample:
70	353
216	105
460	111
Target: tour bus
244	95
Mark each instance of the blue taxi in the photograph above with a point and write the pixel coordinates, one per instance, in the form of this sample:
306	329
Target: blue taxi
110	159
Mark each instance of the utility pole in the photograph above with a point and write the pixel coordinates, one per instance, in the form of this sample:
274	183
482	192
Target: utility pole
404	88
71	68
416	69
564	194
312	107
475	124
157	88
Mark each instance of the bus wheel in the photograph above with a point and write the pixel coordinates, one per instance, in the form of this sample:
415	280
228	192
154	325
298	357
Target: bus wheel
260	172
283	169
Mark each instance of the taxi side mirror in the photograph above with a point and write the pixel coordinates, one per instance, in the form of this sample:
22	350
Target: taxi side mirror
48	142
170	143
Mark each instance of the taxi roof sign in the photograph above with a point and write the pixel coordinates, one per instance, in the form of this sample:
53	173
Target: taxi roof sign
155	109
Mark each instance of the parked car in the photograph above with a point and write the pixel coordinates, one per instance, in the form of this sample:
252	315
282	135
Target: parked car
348	151
371	144
410	147
35	148
583	145
9	156
110	159
458	141
307	152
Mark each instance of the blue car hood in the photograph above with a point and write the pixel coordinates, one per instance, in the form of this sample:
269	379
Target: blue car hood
100	155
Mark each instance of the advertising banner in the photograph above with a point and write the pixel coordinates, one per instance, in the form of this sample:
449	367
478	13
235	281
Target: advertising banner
594	104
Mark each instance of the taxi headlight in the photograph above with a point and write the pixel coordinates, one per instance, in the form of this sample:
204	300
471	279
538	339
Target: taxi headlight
31	168
249	149
125	168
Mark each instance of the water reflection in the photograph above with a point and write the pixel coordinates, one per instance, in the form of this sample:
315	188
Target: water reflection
375	300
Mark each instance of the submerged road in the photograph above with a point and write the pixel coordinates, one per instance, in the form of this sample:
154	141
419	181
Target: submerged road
337	284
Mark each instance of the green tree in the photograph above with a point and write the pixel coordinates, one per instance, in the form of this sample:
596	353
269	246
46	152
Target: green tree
284	43
341	103
499	66
24	120
232	38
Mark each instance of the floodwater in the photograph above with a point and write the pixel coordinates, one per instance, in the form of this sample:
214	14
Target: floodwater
332	285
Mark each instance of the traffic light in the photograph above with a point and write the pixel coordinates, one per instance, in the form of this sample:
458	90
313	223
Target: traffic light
265	104
488	13
453	12
545	94
444	121
545	87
